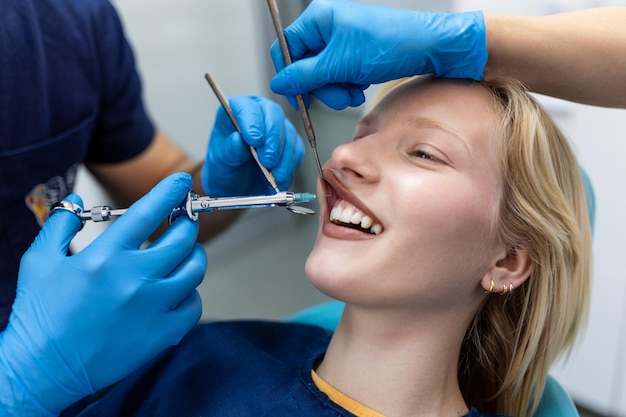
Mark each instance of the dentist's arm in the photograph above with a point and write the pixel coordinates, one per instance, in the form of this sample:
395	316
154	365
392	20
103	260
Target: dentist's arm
82	322
339	47
578	56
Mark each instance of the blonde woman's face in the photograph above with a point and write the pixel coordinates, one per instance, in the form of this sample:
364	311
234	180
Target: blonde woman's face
420	178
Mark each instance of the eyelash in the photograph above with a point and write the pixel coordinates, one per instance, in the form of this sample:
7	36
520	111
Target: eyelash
424	155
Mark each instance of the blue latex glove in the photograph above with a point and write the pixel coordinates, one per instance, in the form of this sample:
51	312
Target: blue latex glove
230	168
340	47
82	322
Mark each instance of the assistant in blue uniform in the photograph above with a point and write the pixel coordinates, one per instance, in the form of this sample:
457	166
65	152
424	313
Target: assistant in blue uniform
69	94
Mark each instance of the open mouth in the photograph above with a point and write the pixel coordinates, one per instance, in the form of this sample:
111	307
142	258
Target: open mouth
345	214
347	210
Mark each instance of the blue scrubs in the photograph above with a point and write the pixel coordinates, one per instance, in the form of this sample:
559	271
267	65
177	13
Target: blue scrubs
222	369
69	93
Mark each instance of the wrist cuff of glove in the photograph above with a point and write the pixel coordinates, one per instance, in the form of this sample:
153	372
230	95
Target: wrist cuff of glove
14	399
462	49
34	382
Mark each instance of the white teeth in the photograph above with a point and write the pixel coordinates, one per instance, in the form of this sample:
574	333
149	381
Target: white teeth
346	215
351	215
366	222
356	217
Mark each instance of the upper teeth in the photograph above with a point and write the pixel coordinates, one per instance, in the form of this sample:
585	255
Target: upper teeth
349	214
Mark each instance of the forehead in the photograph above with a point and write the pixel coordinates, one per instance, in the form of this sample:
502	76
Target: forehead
460	102
465	108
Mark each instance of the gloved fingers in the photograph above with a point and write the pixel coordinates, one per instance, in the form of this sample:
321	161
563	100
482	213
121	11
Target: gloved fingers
230	151
304	77
171	248
298	50
300	77
227	152
261	121
307	35
182	319
277	56
294	103
225	165
293	152
173	288
60	228
269	139
251	118
279	64
145	215
340	96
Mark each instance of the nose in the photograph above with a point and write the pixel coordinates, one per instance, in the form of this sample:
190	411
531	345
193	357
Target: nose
356	160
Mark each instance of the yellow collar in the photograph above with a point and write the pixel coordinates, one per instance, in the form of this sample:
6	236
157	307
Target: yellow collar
343	400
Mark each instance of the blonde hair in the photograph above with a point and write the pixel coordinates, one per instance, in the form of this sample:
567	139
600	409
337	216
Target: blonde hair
513	340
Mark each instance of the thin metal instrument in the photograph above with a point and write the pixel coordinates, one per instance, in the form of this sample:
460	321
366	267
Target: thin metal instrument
304	113
224	102
195	203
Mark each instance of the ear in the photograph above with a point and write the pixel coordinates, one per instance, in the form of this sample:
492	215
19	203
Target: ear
513	268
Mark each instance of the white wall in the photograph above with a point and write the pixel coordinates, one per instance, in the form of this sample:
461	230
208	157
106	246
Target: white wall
177	42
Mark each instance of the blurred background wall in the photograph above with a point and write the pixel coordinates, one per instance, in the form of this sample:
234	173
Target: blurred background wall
256	268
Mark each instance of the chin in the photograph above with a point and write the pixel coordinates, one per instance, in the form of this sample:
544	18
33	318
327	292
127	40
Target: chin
331	275
323	274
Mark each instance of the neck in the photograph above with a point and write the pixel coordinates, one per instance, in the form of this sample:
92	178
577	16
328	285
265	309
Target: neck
398	366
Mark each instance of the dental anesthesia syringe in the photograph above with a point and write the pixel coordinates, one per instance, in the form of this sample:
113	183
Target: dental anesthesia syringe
195	203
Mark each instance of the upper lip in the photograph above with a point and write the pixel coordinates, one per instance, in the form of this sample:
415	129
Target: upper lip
337	191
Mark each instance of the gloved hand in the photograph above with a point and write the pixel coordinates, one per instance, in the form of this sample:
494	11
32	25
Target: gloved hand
82	322
340	47
230	169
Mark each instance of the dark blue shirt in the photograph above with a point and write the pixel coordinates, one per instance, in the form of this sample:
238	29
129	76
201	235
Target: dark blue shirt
69	93
224	369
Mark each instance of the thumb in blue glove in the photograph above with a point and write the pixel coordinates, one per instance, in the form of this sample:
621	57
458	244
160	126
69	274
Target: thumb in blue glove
82	322
340	47
229	167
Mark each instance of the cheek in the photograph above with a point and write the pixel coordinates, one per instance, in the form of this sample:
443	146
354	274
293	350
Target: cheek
453	225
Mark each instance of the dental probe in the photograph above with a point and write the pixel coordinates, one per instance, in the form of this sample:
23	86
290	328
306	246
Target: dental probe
304	113
194	204
220	96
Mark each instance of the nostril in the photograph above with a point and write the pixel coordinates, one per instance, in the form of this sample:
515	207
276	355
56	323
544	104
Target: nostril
355	160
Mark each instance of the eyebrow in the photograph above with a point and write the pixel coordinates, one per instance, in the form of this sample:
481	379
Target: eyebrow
421	122
426	122
367	120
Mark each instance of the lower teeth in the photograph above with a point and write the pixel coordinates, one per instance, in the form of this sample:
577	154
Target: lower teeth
351	226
